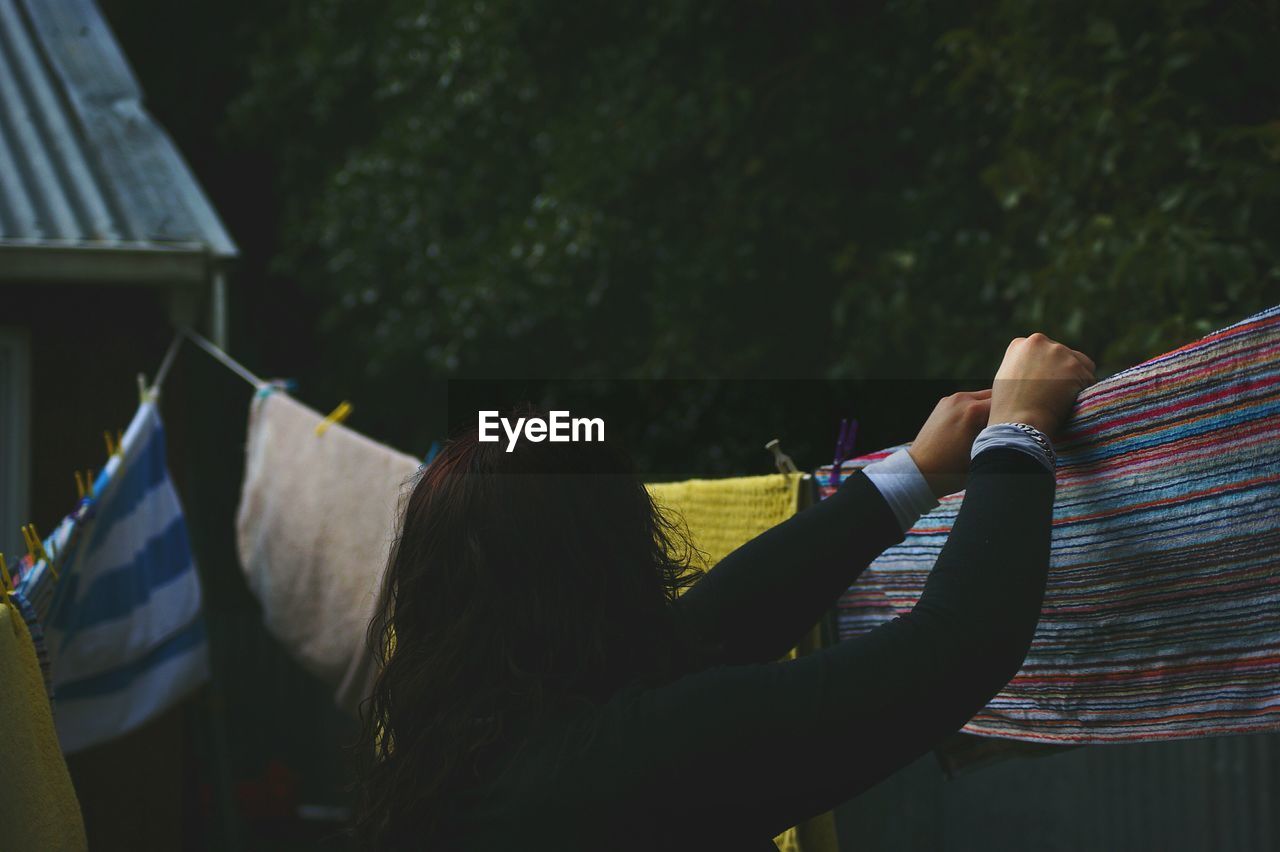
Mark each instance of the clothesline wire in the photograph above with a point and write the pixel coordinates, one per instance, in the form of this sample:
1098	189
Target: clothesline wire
226	360
166	363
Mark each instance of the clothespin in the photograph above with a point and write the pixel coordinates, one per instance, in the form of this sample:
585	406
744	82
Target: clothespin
432	452
31	548
342	412
81	490
35	548
271	386
115	446
844	448
6	582
144	395
780	459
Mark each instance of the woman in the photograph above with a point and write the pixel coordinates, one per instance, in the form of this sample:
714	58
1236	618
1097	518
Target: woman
548	685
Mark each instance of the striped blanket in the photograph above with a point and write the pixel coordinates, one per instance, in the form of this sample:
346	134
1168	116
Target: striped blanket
1161	618
122	622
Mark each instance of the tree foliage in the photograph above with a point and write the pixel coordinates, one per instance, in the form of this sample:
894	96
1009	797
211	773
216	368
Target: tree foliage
682	189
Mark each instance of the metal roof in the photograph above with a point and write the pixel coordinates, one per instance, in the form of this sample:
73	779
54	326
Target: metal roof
90	184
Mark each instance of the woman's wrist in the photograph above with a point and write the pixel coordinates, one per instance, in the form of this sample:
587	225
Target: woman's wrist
1020	436
1036	419
903	486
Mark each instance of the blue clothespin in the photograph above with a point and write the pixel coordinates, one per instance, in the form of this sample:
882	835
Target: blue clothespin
431	454
286	385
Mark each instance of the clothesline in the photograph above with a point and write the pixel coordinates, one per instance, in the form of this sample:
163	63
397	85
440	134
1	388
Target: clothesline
208	346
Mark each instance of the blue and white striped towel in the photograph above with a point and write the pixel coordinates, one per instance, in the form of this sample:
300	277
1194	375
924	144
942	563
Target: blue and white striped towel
125	631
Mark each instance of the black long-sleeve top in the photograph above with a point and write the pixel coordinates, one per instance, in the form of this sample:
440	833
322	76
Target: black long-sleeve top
729	756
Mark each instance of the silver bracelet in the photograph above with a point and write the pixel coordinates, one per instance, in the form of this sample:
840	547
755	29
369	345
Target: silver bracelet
1041	439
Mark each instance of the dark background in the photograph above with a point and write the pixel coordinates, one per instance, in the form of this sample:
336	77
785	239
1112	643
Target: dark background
426	190
725	222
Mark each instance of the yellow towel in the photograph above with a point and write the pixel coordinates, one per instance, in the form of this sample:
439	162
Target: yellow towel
38	808
724	514
721	515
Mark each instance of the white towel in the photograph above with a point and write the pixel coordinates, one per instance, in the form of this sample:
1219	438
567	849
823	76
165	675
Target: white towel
316	520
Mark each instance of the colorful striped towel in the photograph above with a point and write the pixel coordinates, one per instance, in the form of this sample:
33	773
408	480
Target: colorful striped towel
124	628
1161	618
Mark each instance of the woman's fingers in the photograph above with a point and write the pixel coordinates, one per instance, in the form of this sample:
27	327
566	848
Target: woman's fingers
1084	359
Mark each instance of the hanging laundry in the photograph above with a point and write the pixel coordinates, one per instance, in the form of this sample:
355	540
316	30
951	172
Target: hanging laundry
37	580
314	527
1161	618
35	583
36	630
124	627
721	515
38	805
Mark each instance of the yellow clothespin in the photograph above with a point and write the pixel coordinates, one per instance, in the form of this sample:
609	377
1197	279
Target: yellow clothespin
6	582
81	490
115	446
342	412
26	537
35	547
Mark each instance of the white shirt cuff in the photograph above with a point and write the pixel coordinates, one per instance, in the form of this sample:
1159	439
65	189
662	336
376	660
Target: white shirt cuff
903	487
1005	435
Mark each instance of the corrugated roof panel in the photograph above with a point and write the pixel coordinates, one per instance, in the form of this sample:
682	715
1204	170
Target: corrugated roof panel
81	161
72	198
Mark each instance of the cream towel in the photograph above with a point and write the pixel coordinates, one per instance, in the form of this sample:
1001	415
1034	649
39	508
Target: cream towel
316	520
38	807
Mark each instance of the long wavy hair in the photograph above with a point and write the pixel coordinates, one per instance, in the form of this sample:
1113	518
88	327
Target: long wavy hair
521	583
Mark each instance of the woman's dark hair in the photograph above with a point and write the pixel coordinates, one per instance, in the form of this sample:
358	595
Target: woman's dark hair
520	583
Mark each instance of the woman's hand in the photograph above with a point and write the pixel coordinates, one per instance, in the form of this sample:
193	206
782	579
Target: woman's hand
1038	383
941	450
